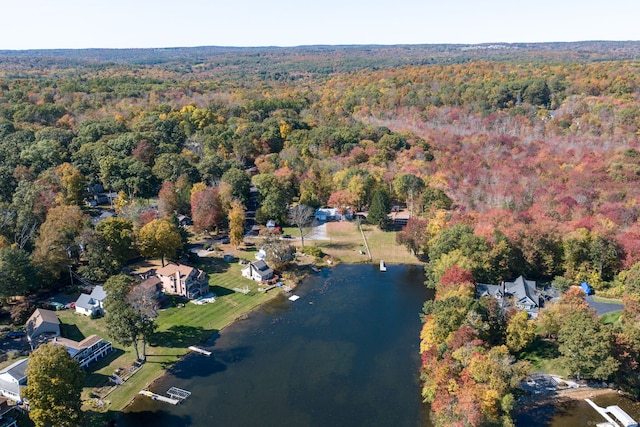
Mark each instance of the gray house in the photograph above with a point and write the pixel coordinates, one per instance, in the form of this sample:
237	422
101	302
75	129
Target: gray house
521	294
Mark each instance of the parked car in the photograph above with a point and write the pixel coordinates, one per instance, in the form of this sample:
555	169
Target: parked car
16	334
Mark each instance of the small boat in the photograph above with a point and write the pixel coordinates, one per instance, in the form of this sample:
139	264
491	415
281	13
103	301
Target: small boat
315	269
383	266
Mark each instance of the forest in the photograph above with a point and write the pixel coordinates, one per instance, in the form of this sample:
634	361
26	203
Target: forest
512	159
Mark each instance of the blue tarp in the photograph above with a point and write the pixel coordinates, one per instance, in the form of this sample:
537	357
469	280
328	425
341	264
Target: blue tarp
586	288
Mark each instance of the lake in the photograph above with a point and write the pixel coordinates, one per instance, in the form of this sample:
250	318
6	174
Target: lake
344	354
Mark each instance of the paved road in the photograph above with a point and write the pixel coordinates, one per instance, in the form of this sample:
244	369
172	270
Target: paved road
602	307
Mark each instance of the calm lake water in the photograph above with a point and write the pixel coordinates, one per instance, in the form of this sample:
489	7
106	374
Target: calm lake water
344	354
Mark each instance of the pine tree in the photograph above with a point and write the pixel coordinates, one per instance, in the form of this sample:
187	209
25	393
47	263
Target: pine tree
379	210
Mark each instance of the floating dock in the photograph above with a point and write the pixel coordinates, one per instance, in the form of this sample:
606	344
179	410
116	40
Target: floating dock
623	419
199	350
383	266
294	298
159	397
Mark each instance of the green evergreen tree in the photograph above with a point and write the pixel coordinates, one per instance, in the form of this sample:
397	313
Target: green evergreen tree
379	210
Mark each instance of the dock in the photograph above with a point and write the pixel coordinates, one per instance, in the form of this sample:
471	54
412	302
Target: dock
176	395
383	266
199	350
623	419
159	397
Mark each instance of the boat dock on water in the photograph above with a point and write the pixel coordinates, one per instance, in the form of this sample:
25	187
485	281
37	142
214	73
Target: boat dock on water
623	419
383	266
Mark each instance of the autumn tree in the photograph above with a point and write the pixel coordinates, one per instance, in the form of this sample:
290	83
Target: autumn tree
301	216
207	211
54	387
56	245
414	236
587	346
237	219
72	182
159	238
521	332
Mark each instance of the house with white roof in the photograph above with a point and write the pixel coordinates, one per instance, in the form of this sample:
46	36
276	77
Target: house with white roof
13	380
91	304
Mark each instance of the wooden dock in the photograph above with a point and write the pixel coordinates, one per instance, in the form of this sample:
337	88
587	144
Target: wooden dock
199	350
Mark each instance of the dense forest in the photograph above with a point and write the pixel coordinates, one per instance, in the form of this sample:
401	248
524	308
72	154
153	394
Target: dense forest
514	159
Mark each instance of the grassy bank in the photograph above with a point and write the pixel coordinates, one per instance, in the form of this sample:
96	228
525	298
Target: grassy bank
179	326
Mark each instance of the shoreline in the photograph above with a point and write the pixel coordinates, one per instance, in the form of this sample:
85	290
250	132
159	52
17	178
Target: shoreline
241	316
560	396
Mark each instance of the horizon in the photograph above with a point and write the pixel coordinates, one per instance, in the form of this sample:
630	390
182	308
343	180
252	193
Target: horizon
160	24
354	45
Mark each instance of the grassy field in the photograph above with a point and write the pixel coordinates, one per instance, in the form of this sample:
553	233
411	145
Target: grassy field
345	243
544	356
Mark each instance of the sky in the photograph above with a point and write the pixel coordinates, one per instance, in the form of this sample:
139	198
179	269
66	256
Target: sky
49	24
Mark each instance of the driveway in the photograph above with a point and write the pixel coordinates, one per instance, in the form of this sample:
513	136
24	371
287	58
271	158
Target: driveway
602	307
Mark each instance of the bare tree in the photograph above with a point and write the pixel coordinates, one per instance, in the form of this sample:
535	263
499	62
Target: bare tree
301	216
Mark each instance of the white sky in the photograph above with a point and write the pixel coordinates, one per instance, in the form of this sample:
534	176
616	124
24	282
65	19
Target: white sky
50	24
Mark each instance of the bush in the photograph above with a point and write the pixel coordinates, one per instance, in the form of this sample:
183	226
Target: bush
312	251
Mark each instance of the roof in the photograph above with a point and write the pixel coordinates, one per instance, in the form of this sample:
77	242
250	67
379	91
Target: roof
98	293
522	289
40	317
261	268
85	301
171	268
74	347
17	369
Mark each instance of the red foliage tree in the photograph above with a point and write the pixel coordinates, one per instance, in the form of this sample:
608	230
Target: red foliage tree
206	210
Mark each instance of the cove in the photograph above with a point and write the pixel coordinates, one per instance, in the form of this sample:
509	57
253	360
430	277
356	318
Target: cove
344	354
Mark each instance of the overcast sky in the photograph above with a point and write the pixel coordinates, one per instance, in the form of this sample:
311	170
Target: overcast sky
49	24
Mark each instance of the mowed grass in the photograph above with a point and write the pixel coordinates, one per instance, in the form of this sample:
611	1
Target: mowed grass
544	356
612	318
178	327
345	242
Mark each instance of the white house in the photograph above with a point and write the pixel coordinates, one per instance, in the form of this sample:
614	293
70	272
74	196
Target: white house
92	304
258	271
13	380
86	351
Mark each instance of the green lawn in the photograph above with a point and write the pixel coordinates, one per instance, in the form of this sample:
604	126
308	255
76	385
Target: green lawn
543	355
612	318
180	326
